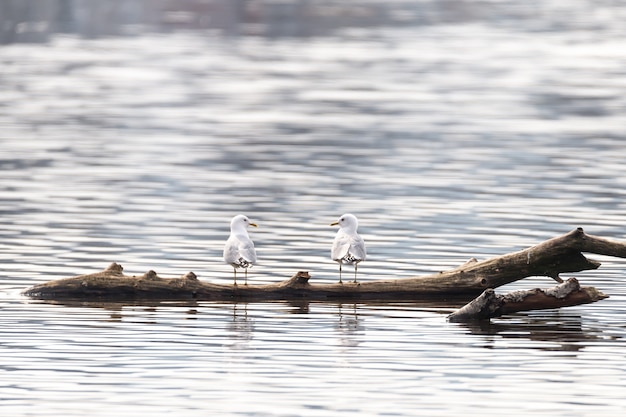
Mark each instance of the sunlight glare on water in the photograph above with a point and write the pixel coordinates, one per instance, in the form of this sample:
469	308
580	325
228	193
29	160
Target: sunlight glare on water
452	131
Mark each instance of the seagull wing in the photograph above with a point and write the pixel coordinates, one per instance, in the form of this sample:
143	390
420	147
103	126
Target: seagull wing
246	249
231	251
341	246
357	247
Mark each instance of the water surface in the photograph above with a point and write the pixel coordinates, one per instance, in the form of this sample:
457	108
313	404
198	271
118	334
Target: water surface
452	135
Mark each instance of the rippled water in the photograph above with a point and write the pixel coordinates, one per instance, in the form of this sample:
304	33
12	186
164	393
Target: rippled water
451	139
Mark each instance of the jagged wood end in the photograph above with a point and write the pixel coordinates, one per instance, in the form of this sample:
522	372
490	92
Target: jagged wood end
490	305
562	254
480	308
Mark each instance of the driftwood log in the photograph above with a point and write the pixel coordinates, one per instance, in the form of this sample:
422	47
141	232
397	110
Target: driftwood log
489	304
563	254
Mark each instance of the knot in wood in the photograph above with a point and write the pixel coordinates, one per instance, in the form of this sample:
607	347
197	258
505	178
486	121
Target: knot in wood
302	277
115	267
150	275
190	276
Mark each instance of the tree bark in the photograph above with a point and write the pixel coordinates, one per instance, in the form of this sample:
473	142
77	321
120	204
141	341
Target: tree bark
549	258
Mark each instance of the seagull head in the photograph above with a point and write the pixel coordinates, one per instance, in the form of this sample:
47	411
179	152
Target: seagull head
348	222
240	222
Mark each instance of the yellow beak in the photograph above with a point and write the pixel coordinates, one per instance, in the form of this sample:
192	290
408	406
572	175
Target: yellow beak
334	224
253	224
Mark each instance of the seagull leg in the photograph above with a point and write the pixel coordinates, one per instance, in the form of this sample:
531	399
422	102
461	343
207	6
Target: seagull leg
246	275
235	272
340	273
356	264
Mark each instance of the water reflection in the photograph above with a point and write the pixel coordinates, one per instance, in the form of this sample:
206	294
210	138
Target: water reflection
349	325
241	327
558	331
548	330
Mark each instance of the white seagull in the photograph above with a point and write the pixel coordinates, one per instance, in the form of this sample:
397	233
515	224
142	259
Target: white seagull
348	246
239	250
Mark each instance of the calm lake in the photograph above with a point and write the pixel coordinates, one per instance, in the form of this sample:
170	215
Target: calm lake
452	129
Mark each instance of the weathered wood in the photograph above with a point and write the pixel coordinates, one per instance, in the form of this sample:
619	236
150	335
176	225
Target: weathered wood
489	304
549	258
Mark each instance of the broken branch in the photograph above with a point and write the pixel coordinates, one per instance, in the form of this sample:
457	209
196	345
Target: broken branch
490	305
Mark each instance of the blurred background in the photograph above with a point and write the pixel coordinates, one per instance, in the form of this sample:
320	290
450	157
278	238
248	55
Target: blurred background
38	20
132	131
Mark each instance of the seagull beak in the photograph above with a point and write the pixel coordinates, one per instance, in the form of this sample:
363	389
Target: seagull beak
253	224
334	224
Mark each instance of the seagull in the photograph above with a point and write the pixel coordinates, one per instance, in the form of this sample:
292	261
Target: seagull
348	246
239	249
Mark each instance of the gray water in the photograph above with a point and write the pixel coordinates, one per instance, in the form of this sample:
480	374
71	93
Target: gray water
458	131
